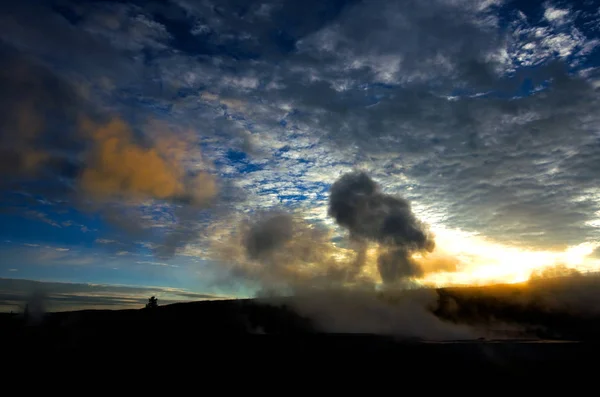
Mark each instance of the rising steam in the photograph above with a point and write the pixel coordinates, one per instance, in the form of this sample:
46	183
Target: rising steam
335	284
357	204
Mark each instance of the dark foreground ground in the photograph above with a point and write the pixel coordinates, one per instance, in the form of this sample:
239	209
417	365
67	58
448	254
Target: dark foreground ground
557	340
213	336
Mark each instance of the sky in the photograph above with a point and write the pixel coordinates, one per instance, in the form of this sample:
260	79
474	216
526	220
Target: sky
194	147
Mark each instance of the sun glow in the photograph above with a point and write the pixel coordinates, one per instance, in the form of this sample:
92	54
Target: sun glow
481	261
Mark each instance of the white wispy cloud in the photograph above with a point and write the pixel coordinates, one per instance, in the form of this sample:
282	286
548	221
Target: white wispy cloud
556	15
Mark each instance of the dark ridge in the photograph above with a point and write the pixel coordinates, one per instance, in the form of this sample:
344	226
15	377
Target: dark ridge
218	337
254	331
175	322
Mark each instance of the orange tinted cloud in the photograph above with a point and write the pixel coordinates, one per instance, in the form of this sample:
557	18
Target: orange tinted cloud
117	166
41	129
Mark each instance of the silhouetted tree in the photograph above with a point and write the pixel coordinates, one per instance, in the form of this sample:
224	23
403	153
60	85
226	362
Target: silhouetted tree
152	303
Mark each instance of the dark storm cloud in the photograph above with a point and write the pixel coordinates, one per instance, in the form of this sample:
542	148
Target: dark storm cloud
357	204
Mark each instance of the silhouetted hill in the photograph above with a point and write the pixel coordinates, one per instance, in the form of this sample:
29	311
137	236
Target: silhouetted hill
254	329
180	322
567	308
554	308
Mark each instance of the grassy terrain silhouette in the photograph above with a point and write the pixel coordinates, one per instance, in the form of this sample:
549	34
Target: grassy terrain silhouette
274	331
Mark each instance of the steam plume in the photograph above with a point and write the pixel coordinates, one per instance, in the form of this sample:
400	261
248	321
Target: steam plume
357	204
336	285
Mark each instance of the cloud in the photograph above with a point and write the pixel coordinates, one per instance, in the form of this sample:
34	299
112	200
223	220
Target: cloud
118	167
444	39
245	31
48	255
485	164
92	158
454	127
481	127
42	32
114	167
464	159
556	15
125	26
104	241
155	263
42	217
